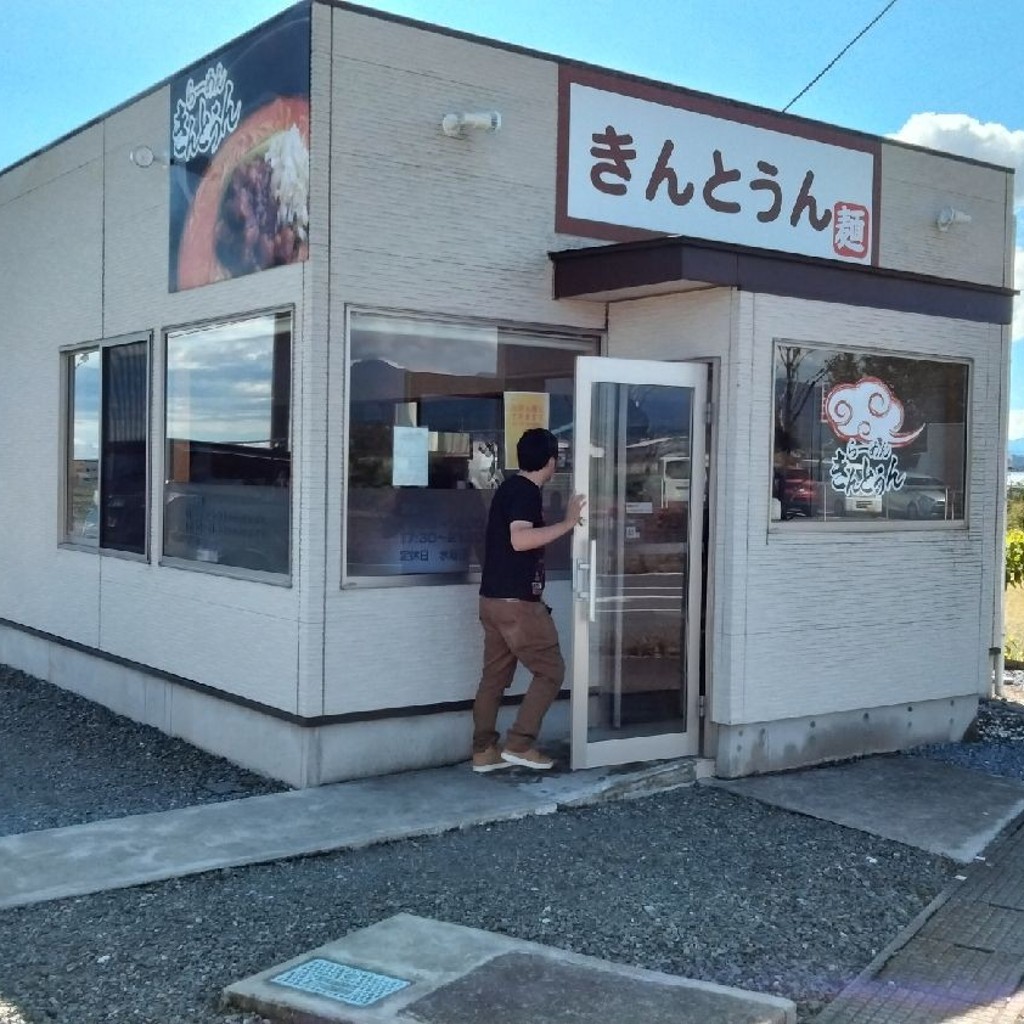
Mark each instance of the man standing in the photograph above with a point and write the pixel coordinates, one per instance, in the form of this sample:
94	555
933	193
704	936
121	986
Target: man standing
517	624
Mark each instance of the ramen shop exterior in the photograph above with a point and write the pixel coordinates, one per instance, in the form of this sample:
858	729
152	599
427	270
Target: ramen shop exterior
309	292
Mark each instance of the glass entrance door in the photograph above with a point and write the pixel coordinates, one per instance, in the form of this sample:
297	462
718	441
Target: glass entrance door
639	459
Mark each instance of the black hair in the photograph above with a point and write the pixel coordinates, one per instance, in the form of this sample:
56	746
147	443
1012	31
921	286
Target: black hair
535	447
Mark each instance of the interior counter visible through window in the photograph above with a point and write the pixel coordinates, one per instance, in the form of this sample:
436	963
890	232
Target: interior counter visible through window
435	410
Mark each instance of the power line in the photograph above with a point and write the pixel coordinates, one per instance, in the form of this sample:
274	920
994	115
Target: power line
828	67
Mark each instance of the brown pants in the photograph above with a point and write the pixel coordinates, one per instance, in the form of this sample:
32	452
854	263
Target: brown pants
516	631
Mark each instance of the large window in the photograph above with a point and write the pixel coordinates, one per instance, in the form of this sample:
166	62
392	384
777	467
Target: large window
107	468
435	410
227	496
868	436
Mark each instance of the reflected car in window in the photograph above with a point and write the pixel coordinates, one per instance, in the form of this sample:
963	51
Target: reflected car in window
800	494
920	497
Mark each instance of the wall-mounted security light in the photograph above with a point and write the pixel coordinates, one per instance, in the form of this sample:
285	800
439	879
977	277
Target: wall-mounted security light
143	156
456	125
948	216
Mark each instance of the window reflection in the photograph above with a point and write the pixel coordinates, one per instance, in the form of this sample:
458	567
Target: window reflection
107	449
431	409
868	436
82	513
228	458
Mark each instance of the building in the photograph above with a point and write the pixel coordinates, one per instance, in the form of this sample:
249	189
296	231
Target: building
273	327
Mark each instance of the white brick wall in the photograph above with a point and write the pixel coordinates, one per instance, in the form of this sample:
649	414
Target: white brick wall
454	227
916	186
814	621
73	204
836	620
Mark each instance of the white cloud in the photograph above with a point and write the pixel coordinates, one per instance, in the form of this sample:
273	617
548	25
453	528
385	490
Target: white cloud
965	136
1018	302
1016	424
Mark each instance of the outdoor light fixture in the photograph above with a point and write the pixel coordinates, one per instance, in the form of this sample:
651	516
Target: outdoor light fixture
143	156
949	216
456	125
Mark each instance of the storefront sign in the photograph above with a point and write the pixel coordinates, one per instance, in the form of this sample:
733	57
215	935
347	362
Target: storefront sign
524	410
868	417
240	157
637	161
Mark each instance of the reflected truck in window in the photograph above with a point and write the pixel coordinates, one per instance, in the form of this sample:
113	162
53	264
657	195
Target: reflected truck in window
675	479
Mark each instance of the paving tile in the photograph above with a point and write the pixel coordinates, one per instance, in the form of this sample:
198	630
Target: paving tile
1002	884
978	925
951	972
874	1002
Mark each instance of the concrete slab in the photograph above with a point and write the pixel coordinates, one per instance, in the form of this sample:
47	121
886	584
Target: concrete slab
931	805
459	975
96	857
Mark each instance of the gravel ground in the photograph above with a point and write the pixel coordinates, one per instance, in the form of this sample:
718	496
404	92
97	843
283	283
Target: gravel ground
997	738
696	882
65	760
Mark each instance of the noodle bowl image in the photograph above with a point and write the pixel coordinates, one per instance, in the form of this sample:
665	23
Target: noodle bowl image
251	209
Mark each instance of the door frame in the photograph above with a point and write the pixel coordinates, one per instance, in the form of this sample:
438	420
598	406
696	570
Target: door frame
591	370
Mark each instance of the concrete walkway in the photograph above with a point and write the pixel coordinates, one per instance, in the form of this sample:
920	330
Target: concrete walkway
118	853
935	806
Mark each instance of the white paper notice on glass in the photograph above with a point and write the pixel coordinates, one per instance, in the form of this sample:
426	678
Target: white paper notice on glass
409	457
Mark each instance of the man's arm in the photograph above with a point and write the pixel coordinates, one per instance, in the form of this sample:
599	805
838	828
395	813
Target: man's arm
525	536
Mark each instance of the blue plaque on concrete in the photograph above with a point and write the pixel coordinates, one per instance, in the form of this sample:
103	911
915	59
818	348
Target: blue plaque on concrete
351	985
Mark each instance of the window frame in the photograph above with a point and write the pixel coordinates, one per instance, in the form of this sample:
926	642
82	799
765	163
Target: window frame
842	525
285	579
580	341
66	449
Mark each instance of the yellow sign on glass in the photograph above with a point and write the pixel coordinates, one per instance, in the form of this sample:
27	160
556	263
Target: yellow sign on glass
523	411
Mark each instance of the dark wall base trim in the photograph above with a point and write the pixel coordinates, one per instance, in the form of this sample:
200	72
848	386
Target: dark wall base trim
601	270
303	722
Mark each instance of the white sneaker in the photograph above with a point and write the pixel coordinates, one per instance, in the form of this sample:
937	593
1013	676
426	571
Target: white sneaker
528	759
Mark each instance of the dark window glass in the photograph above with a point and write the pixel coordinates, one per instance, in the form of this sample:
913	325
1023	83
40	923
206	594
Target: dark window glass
227	497
123	463
435	412
867	436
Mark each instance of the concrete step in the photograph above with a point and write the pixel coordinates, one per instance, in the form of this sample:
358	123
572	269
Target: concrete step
413	969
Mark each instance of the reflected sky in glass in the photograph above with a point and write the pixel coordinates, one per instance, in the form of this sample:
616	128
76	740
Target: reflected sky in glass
86	441
219	382
455	349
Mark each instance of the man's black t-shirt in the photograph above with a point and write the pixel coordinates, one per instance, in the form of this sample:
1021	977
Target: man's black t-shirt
507	572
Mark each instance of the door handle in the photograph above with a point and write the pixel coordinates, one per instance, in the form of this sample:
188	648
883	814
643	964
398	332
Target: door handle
590	591
579	567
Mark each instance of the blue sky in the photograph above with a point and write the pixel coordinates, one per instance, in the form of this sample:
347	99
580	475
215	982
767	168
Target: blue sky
942	73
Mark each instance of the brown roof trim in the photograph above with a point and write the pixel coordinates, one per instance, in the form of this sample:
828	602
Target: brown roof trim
600	269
